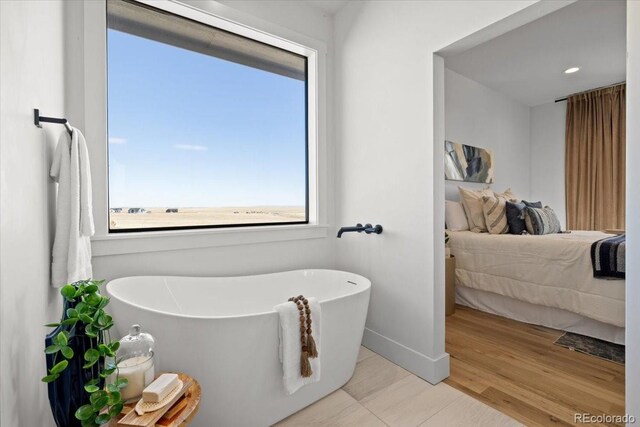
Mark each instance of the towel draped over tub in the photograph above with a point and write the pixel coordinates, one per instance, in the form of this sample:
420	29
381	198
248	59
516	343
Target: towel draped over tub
289	346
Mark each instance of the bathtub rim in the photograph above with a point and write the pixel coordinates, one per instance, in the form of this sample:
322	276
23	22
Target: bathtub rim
365	288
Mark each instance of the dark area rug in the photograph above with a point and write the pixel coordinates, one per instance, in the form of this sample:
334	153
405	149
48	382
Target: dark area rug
592	346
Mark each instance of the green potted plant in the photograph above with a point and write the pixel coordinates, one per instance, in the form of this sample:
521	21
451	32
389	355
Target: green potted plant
81	358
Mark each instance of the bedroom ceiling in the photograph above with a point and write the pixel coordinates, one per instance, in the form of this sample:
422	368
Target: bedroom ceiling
527	63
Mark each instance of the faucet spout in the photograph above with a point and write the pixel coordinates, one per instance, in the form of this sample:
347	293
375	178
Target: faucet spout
358	228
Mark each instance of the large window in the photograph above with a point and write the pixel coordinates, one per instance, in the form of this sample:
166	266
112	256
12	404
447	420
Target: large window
206	128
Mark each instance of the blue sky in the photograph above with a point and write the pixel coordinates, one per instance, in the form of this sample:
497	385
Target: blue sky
191	130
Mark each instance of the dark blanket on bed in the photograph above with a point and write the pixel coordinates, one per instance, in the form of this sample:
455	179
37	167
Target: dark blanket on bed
607	257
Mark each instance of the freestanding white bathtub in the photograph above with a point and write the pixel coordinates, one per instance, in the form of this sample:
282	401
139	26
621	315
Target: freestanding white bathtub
224	333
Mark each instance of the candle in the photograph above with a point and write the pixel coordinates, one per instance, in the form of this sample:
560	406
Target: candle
140	373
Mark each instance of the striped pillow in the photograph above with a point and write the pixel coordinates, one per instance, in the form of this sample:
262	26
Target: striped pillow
541	221
472	204
495	214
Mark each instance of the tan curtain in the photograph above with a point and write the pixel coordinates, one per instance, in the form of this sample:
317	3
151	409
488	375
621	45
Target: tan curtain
595	159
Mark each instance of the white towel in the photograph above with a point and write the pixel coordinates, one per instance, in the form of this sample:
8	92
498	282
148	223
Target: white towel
71	260
289	347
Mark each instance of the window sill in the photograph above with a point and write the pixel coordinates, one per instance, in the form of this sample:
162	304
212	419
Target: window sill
156	241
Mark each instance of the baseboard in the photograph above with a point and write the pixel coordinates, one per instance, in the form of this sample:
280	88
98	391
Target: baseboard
432	370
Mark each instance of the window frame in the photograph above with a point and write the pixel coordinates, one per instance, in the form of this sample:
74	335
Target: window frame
310	56
86	108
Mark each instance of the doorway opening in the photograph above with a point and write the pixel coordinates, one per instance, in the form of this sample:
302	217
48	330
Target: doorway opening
530	134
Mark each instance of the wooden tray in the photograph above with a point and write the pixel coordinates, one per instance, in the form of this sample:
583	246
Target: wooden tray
179	412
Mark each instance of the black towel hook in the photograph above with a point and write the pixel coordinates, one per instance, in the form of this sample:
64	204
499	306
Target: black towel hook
37	119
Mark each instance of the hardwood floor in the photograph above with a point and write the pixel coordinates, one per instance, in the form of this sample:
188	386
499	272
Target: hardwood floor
503	373
515	368
381	394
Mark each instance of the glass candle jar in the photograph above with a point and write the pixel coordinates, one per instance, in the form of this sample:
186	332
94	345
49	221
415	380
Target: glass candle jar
135	362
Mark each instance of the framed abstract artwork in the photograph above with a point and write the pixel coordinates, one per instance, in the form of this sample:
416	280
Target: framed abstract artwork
467	163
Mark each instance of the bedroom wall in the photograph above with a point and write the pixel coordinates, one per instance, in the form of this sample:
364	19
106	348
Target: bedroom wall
547	156
385	165
32	69
482	117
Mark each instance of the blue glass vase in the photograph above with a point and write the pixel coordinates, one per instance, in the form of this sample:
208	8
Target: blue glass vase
67	393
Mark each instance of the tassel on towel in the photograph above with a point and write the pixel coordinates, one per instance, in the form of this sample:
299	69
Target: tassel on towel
305	366
311	347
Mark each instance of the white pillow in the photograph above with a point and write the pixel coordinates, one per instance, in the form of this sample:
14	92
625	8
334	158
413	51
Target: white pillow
507	194
454	216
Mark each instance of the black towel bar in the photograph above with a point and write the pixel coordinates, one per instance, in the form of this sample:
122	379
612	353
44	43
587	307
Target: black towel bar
37	119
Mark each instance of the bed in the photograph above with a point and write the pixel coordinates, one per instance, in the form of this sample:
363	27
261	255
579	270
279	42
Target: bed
546	280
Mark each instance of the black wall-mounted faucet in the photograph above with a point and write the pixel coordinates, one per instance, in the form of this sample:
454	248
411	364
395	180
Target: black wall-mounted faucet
367	228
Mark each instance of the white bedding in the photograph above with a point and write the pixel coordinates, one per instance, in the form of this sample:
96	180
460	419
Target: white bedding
552	270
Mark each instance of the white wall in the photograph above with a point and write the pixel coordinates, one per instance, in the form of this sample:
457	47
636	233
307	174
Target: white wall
547	156
633	207
295	16
32	70
385	165
479	116
528	142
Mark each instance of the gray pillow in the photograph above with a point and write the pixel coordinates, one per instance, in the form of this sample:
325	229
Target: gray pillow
541	221
515	215
533	204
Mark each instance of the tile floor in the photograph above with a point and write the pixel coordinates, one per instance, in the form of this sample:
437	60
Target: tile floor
383	394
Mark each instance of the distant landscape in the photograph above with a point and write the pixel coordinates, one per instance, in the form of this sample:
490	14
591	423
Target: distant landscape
155	217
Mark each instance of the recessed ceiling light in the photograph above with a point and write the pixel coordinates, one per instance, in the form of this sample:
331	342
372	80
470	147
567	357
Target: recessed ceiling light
572	70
